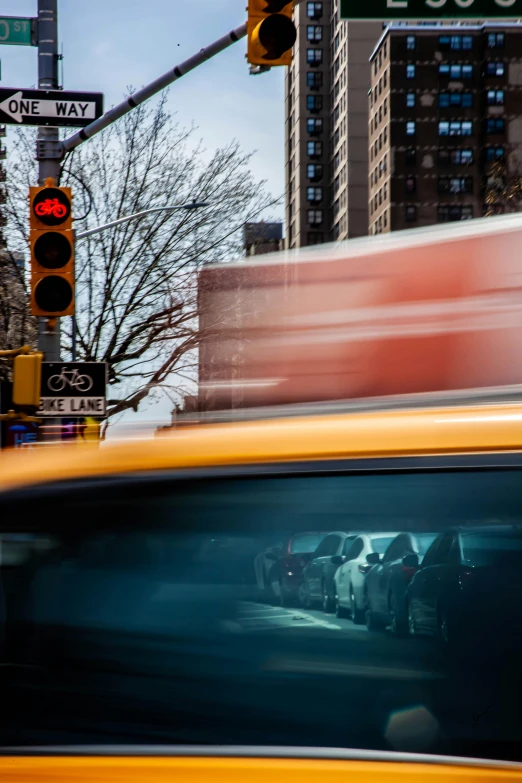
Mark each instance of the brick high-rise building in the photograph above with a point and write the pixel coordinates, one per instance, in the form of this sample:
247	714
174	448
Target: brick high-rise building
445	122
327	126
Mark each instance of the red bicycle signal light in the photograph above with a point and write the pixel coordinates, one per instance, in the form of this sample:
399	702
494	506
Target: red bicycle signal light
50	206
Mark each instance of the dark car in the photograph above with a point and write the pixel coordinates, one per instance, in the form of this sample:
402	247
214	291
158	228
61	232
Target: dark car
286	574
318	576
468	585
387	581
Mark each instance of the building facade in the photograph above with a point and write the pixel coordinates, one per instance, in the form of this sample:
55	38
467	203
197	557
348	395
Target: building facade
327	126
445	123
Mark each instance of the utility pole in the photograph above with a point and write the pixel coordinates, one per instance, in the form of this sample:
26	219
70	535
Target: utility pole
48	152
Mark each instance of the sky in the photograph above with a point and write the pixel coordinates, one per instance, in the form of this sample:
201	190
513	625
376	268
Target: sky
109	45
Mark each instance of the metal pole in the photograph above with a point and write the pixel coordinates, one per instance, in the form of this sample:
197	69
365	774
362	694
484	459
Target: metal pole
137	216
47	149
153	88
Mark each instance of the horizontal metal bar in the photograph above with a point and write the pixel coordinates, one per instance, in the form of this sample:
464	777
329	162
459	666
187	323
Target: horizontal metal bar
153	88
136	216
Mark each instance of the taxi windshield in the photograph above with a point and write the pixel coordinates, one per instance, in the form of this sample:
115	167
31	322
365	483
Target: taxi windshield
166	610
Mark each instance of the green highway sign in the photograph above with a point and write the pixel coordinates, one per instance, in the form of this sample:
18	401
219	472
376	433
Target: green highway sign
414	10
17	31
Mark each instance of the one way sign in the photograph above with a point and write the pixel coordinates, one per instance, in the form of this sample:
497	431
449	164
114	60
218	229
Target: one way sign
49	107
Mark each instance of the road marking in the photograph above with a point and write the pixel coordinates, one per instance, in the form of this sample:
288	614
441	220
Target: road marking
316	621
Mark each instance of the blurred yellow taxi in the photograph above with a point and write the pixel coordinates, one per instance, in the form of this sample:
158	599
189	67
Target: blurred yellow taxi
138	642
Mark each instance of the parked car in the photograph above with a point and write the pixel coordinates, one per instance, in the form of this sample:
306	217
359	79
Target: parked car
349	577
386	582
263	565
470	579
318	576
286	574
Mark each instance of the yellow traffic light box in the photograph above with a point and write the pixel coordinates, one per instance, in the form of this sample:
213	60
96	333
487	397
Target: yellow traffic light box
51	240
271	32
27	379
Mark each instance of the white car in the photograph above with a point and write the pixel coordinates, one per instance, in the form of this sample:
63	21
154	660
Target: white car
349	577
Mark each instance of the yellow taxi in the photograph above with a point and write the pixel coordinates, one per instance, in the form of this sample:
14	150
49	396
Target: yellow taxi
146	633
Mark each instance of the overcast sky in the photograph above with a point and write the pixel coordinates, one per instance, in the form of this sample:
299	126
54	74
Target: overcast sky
109	45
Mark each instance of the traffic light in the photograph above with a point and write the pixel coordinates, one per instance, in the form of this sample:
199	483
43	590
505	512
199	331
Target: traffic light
27	379
271	32
52	250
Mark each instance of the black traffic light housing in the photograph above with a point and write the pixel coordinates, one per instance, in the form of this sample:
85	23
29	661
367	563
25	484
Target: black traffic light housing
271	32
51	239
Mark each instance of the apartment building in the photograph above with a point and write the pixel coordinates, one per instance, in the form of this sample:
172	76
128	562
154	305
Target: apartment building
445	122
327	126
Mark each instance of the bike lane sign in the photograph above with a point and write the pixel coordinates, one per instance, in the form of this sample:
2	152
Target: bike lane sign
73	389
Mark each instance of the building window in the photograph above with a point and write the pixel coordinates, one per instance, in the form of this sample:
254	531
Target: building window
314	126
461	156
314	172
495	97
314	57
314	33
385	107
410	184
452	212
314	103
456	70
314	10
410	213
410	157
314	148
315	217
314	195
495	68
411	43
464	99
315	237
314	80
455	128
495	40
410	128
410	100
410	71
456	42
495	125
455	185
494	153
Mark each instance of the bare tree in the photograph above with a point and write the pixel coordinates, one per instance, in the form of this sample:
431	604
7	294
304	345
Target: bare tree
136	284
503	192
17	327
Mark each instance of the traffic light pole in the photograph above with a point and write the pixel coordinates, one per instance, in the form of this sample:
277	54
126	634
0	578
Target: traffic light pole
48	152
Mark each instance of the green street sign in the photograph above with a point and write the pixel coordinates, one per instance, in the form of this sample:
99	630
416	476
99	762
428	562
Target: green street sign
16	31
413	10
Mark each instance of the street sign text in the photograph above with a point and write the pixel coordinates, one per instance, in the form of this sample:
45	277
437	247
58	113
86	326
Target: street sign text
16	31
45	107
73	389
430	9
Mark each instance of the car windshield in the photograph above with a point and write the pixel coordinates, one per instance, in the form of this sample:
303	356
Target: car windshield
305	544
380	545
493	548
144	611
424	543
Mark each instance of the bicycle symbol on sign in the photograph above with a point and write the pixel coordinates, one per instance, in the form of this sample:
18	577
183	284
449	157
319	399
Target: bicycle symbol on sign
51	206
72	378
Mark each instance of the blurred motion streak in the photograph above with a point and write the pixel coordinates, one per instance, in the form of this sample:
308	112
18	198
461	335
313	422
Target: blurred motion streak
419	312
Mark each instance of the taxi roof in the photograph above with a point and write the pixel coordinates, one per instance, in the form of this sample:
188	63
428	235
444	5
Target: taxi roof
451	430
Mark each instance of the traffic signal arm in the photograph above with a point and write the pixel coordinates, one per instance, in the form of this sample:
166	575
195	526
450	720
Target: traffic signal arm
271	32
